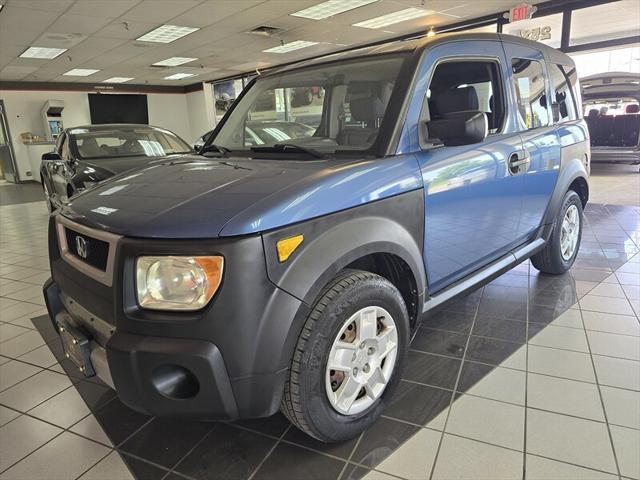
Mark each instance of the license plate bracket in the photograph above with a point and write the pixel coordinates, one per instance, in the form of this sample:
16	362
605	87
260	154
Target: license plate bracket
76	345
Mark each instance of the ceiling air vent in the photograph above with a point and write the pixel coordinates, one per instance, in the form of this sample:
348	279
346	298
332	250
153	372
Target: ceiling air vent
266	31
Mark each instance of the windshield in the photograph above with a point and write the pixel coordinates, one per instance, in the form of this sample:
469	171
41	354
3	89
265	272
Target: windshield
144	142
335	108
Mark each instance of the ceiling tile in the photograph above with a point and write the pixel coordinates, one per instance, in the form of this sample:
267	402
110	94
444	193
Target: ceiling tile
102	8
159	10
128	30
14	19
44	5
13	72
78	24
213	11
60	40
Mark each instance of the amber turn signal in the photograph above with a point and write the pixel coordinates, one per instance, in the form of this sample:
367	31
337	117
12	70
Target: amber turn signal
287	246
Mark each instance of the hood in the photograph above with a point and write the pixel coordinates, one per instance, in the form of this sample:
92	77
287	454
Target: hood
103	168
198	197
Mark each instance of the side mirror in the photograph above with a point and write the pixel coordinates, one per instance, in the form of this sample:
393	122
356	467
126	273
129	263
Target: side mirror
52	156
459	128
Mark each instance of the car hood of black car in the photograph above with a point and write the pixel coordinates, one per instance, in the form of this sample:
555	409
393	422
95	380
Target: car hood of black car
109	166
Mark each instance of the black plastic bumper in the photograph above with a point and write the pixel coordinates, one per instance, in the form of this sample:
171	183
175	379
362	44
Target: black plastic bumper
167	376
180	377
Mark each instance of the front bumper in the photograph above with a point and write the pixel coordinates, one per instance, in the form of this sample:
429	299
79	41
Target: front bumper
155	375
177	377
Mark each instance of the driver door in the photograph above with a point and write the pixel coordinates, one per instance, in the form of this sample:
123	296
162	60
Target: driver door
473	193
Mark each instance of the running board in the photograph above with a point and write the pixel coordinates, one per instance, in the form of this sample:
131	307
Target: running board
485	275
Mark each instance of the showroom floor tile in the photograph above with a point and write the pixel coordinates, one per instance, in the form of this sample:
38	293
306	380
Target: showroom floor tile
531	377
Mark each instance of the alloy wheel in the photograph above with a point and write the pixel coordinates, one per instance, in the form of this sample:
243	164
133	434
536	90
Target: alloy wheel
361	360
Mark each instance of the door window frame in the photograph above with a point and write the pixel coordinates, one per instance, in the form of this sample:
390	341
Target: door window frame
425	115
542	60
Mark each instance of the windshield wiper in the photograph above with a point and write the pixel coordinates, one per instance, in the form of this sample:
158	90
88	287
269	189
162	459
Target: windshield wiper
289	148
223	151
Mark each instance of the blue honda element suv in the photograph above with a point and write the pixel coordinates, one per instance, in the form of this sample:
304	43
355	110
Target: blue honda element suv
289	271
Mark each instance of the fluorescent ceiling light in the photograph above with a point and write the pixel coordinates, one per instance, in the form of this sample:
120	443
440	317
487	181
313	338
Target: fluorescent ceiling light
117	80
81	72
395	17
166	34
174	61
179	76
291	46
42	52
330	8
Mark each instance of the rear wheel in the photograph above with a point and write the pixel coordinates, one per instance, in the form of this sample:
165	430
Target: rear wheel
562	248
348	359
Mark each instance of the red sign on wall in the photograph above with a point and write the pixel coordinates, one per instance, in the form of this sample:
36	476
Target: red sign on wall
521	12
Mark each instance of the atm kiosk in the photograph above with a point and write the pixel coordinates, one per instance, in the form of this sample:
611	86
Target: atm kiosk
52	118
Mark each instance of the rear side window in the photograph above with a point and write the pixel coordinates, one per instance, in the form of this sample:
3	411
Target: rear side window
561	92
467	85
572	77
64	149
528	78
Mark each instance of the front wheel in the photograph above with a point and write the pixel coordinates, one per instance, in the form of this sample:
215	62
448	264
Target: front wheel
562	248
348	359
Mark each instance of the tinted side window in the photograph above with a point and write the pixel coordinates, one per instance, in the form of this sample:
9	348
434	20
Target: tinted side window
528	77
467	85
571	75
60	142
64	149
561	92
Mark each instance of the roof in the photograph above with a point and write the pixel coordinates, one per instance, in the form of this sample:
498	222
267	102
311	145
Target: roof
418	44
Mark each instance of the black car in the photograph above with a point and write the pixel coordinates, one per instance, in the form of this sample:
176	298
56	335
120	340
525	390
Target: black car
90	154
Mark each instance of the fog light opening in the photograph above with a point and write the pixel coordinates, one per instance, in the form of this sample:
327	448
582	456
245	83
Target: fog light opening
174	381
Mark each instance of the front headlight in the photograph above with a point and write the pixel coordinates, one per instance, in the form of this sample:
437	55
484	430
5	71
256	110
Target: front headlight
177	283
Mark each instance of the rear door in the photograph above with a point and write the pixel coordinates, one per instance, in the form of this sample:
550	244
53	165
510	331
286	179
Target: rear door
473	193
530	88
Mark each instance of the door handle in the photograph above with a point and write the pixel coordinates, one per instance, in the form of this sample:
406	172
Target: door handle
517	160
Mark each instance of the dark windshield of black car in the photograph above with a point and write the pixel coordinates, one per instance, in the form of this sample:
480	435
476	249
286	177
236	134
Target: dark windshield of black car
143	142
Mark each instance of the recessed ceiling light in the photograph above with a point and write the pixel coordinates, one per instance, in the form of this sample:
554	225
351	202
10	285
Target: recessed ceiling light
291	46
81	72
117	80
330	8
179	76
174	61
42	52
167	33
395	17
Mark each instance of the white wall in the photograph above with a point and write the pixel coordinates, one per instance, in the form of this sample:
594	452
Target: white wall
201	114
24	115
184	114
169	111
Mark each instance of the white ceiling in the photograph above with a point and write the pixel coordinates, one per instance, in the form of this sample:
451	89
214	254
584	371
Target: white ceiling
100	34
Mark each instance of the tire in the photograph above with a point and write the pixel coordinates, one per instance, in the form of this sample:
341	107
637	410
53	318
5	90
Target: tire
306	400
551	259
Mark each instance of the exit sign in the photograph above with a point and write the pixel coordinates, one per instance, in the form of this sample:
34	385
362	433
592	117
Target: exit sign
520	12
